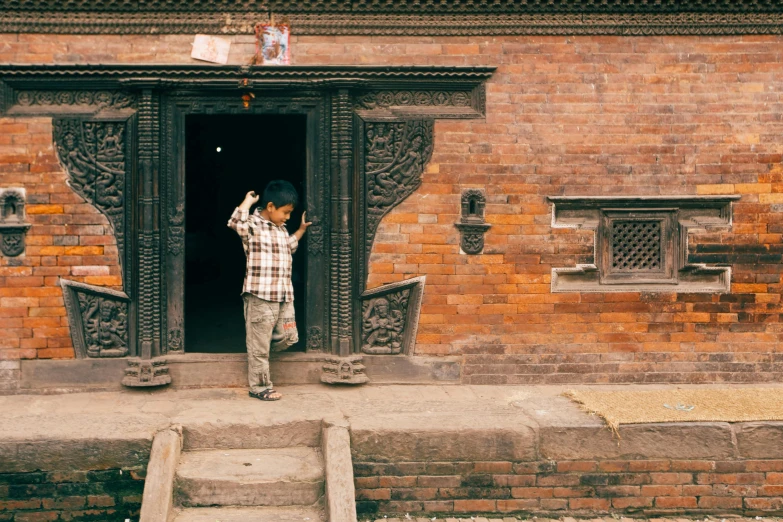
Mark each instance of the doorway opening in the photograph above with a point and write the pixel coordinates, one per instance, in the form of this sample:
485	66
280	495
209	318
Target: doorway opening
227	156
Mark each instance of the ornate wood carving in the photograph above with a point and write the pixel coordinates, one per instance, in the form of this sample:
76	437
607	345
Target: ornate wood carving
176	233
95	155
241	78
149	232
471	225
342	118
147	211
409	98
12	224
674	216
408	17
89	99
344	370
390	317
145	373
98	319
395	154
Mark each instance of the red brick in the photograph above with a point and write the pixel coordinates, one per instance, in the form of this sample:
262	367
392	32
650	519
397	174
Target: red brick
589	504
505	506
675	502
671	478
475	506
576	465
397	482
661	491
492	467
365	482
720	502
764	504
558	480
632	502
532	492
649	465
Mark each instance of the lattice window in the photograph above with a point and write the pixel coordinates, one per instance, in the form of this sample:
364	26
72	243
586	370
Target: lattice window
636	246
641	243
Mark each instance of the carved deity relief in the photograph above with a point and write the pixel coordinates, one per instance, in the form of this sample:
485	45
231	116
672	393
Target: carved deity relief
93	154
176	238
98	318
383	323
395	156
105	326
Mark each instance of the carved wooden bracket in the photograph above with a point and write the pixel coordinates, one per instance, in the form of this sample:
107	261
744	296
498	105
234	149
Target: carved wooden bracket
98	318
96	156
641	243
390	317
13	227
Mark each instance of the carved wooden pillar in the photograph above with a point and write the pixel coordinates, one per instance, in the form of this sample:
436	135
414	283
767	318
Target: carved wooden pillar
342	201
146	372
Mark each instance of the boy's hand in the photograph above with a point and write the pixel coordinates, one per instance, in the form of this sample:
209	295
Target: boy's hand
303	226
251	198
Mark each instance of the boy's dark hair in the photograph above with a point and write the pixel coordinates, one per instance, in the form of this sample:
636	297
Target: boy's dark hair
280	193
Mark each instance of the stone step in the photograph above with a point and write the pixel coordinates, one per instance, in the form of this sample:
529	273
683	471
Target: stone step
250	477
251	514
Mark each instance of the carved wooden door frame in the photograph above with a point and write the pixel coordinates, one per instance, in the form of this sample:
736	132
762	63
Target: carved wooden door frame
372	128
177	107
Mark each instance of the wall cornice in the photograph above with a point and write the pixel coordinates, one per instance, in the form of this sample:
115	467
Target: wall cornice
399	17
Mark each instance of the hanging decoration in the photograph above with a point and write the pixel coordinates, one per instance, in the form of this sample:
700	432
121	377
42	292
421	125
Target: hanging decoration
272	42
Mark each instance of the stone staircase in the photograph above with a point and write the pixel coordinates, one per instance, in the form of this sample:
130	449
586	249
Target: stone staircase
284	464
260	485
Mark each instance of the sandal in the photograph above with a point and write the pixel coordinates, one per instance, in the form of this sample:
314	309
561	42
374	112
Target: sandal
266	395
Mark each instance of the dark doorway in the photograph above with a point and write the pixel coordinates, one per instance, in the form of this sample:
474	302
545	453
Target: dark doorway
227	156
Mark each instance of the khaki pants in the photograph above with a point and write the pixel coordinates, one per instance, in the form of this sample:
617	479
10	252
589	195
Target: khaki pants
268	324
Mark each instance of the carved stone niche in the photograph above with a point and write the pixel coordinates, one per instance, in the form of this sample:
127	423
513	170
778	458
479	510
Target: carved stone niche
98	318
641	243
471	225
12	225
390	317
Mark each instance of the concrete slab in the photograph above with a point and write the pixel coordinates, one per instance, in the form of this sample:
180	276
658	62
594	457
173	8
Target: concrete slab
394	422
250	477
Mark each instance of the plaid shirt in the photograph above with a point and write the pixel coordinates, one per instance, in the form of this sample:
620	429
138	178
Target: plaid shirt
268	249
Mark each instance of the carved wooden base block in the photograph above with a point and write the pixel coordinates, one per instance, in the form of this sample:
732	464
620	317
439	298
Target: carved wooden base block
98	318
142	373
344	370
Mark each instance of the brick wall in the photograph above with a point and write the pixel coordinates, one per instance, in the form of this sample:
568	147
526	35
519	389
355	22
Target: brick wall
69	238
74	496
565	116
575	488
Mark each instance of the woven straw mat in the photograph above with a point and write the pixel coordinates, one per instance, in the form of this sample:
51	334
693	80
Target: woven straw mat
682	405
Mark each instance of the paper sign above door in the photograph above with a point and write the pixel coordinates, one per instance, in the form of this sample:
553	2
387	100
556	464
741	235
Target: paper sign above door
210	49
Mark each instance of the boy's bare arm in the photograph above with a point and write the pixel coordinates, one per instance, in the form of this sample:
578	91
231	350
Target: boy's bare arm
238	220
302	227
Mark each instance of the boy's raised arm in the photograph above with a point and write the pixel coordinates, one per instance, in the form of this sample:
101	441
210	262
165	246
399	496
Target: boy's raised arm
238	219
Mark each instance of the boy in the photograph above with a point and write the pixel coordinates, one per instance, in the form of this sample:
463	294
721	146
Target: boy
267	291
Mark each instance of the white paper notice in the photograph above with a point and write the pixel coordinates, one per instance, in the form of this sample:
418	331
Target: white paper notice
210	49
